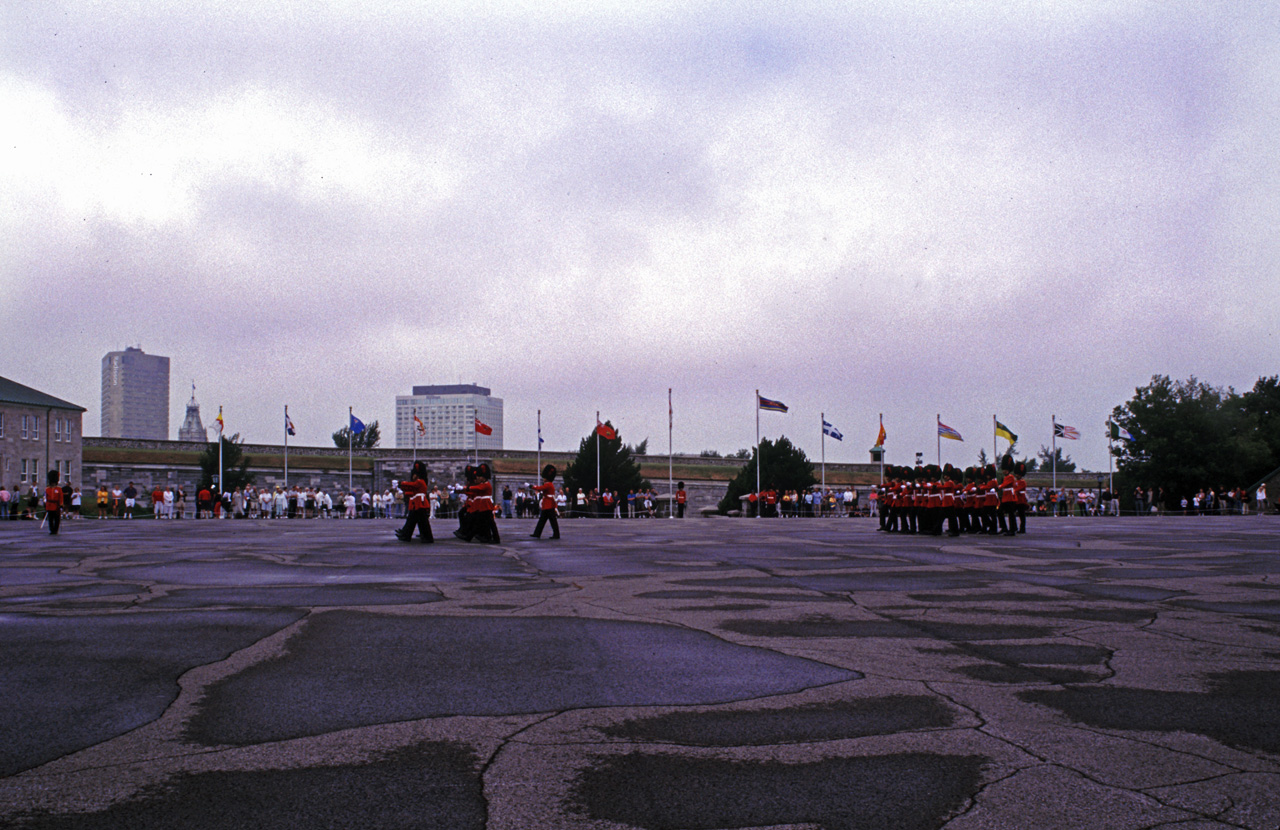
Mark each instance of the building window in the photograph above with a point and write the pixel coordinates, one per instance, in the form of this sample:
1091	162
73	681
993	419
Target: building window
57	430
35	427
24	431
23	478
1	424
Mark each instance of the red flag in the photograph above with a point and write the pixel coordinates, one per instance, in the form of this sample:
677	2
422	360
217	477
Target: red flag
880	438
483	428
606	432
422	428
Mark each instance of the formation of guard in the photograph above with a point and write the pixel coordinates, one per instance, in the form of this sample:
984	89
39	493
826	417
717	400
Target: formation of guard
975	500
475	520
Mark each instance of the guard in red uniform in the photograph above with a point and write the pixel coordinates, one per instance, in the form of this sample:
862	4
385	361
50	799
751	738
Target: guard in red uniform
1008	497
477	520
548	504
1021	485
417	499
53	502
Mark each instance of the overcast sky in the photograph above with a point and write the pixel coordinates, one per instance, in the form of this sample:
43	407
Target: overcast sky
954	208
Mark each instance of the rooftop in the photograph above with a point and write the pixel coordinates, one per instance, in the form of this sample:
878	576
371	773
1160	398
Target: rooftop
14	392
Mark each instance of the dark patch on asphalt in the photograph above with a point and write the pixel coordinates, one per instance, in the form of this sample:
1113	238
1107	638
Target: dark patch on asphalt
294	597
678	594
529	585
1116	615
56	595
358	669
734	582
900	581
729	606
1043	654
1132	593
427	787
1238	709
492	607
983	598
1266	609
659	792
992	673
834	721
823	628
71	682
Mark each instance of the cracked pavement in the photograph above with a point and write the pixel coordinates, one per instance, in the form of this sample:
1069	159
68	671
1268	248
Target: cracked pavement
705	673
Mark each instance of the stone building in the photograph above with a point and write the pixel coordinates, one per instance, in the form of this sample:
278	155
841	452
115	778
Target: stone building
38	432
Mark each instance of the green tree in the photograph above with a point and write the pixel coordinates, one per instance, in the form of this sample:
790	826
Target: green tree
619	471
235	464
783	466
1262	403
366	440
982	457
642	448
743	453
1053	459
709	454
1188	435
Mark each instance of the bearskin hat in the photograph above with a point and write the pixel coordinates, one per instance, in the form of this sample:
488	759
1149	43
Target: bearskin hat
549	472
482	472
1020	470
989	471
52	476
419	471
1006	463
933	472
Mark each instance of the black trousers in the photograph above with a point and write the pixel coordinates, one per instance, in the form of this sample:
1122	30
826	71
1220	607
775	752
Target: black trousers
420	519
544	517
55	519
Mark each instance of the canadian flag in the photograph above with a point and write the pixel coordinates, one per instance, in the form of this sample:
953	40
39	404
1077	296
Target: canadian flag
483	428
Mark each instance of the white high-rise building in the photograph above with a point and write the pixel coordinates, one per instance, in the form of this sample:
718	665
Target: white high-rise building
135	395
448	415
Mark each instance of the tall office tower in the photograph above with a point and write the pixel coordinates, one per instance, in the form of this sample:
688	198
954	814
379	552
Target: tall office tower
448	415
135	395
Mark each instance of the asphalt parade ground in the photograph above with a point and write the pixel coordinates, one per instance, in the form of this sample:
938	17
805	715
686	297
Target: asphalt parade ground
658	674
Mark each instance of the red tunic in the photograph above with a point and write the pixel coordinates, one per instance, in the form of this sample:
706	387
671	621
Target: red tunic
417	492
479	497
52	499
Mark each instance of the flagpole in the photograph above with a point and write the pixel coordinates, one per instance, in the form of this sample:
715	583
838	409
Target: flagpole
597	452
539	442
1054	464
351	440
286	446
757	453
823	416
1111	445
882	451
415	435
221	426
938	429
671	479
994	451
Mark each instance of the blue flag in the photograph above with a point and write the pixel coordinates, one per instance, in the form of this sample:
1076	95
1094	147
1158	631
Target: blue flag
357	425
832	431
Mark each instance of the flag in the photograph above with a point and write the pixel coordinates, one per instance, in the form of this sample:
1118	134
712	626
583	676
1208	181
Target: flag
947	432
357	425
1062	431
422	428
828	429
1004	432
605	431
771	406
540	441
483	428
1119	433
221	425
880	438
288	425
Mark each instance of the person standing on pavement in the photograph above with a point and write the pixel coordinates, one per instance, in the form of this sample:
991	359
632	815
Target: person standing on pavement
53	503
547	489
